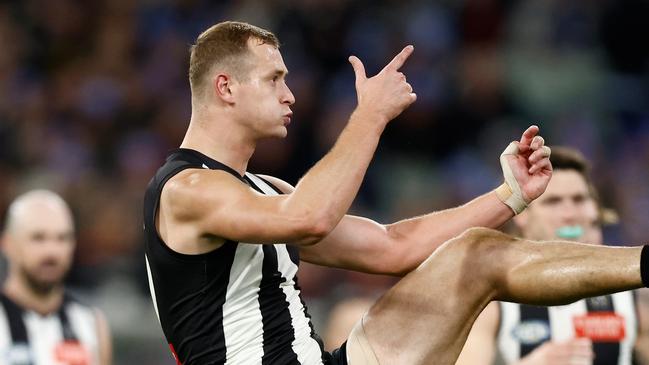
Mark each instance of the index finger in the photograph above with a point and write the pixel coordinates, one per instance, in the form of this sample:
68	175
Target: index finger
528	135
400	59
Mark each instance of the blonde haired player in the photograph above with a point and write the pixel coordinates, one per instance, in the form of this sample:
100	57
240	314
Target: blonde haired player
223	245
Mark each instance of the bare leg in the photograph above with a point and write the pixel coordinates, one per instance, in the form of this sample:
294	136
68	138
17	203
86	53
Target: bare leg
426	317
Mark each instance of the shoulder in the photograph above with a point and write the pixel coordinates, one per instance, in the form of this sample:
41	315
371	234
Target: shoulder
193	188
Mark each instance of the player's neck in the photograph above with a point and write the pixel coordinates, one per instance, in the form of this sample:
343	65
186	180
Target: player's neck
41	302
222	142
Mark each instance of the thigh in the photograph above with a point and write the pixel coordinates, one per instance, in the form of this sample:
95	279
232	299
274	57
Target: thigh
426	317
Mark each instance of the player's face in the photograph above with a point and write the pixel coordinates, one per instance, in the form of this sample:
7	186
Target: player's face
561	212
42	246
264	100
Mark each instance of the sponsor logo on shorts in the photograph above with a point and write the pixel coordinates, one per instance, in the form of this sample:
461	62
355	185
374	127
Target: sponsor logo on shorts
531	332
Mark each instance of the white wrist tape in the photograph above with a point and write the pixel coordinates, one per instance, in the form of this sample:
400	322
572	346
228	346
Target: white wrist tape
510	192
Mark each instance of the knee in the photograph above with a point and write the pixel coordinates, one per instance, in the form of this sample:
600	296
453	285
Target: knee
479	239
482	251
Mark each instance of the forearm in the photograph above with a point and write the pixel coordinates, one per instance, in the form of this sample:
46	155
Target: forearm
328	189
420	236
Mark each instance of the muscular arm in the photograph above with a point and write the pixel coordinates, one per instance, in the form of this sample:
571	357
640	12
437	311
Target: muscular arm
398	248
361	244
201	208
218	204
480	346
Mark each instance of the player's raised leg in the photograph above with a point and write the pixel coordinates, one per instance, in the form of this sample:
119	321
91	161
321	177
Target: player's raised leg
426	317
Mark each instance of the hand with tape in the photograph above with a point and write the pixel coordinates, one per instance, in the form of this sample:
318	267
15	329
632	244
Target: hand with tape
527	170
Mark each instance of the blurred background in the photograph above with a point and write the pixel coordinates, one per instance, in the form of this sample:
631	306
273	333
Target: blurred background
93	94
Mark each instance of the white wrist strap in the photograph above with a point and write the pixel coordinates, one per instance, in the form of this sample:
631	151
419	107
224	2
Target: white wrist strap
510	192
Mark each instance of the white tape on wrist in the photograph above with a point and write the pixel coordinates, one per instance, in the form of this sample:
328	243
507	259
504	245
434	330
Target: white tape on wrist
510	192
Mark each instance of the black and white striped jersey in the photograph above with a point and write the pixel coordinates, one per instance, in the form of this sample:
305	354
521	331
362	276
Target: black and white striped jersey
238	304
609	321
68	336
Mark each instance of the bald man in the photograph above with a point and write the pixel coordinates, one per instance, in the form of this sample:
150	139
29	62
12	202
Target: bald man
40	324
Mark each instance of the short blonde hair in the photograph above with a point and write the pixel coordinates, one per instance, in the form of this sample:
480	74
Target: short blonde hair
224	44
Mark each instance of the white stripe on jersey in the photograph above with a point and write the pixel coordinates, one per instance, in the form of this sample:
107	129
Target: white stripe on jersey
261	184
561	319
509	348
83	321
306	348
242	321
43	334
624	303
152	288
5	333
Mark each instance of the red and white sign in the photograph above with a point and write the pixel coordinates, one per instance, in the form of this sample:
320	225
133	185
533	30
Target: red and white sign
600	327
72	353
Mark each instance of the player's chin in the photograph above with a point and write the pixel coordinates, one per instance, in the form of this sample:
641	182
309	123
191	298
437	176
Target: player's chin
280	132
45	283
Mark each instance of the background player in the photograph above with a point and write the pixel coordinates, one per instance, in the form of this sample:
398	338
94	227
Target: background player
41	324
600	330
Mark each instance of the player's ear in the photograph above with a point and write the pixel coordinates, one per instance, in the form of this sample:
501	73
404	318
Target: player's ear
222	85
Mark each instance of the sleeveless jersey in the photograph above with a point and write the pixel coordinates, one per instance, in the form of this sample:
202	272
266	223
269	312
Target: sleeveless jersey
66	337
609	321
239	304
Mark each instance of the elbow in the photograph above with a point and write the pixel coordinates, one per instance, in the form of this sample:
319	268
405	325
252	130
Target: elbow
397	259
399	267
313	229
393	259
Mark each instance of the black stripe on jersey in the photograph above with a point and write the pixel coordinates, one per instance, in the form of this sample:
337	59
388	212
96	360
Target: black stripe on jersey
275	321
533	313
201	159
218	289
16	322
66	327
294	254
314	335
606	353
